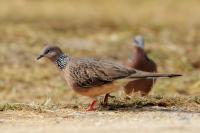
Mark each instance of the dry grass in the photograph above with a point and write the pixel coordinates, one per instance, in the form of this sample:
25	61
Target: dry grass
187	104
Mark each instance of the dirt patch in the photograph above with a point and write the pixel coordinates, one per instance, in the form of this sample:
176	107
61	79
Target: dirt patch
68	120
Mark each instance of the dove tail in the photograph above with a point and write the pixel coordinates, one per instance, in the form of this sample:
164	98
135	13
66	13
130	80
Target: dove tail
153	75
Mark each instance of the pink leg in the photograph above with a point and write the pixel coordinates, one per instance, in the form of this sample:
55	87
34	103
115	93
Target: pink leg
92	106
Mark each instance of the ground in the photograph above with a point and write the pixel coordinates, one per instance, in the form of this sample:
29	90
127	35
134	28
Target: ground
34	95
156	120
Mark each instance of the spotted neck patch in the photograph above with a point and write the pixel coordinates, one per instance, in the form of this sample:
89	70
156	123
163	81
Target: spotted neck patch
61	62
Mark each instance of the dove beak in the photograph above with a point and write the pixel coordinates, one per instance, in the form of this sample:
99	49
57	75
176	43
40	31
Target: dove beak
40	56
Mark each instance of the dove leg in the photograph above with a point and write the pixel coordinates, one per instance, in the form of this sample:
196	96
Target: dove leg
91	107
105	101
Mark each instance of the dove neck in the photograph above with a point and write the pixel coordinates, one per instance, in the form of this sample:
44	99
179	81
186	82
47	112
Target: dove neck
62	61
138	58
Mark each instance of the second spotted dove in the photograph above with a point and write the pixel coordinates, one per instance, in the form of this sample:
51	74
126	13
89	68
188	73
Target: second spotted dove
141	62
92	77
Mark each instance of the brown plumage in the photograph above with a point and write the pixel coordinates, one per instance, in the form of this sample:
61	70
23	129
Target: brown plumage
141	62
91	77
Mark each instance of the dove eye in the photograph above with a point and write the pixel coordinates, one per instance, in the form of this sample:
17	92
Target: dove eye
47	51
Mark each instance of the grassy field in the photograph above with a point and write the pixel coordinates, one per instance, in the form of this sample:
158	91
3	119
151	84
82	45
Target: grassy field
101	29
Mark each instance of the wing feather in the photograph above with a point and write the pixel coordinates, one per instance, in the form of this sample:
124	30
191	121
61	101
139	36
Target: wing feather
89	72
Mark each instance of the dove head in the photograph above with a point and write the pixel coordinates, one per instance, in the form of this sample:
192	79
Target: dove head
139	41
51	52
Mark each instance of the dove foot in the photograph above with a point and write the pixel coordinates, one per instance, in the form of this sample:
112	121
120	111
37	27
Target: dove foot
105	101
92	106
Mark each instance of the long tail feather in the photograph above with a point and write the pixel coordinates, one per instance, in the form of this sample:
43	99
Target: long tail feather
146	75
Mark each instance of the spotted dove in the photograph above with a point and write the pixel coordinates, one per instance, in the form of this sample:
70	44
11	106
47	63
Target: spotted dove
140	61
92	77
